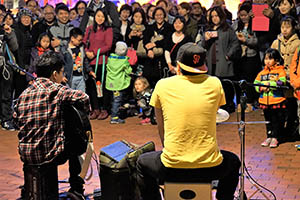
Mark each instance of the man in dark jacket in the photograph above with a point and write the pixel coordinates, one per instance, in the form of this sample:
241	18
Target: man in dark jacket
113	16
45	24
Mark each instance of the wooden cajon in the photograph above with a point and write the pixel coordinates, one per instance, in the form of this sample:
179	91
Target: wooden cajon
191	191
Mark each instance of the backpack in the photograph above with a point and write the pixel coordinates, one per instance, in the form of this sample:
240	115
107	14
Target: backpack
118	170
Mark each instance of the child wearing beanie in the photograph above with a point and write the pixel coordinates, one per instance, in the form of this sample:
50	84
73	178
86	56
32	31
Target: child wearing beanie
118	79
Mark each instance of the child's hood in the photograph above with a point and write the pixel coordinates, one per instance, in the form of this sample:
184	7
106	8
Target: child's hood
116	59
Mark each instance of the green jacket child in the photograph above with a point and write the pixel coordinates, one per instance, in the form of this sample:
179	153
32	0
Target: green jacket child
118	69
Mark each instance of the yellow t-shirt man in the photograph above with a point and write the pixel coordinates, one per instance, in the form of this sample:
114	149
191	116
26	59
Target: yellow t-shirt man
189	106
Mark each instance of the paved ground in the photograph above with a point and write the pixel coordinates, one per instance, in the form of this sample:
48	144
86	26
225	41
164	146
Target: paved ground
276	169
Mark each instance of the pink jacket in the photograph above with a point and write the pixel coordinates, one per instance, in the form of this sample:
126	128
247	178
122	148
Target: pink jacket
100	39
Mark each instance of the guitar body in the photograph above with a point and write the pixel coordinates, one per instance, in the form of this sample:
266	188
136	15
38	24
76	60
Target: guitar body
77	125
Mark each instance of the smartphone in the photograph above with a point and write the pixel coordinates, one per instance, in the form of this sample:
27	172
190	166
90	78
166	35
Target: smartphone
214	34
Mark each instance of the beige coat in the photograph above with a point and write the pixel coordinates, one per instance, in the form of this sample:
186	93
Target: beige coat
287	49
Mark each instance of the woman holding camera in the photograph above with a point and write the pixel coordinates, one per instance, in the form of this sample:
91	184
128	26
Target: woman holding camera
223	49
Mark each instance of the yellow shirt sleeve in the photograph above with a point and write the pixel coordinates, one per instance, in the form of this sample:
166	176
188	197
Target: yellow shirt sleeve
222	99
155	101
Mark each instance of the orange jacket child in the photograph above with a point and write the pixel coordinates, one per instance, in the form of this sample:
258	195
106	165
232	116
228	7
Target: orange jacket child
273	76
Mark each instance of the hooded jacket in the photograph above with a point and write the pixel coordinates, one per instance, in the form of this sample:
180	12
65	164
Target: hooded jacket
295	73
286	48
118	70
274	76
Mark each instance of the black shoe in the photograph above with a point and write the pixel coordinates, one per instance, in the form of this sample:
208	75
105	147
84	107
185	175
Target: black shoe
75	195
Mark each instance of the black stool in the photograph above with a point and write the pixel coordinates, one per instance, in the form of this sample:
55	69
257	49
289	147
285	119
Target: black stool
40	182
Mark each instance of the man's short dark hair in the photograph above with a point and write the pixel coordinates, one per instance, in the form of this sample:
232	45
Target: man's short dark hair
197	3
61	6
164	1
49	62
75	32
185	6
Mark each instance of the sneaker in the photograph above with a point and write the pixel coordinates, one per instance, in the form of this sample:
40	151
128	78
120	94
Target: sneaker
117	120
266	142
8	126
145	121
274	143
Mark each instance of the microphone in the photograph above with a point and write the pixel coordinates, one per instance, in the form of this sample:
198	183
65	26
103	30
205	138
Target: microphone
243	83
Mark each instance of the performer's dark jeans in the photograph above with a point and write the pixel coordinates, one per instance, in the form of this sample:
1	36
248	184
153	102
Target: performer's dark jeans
151	172
76	182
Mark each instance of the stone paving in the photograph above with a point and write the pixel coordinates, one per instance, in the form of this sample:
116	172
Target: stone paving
275	169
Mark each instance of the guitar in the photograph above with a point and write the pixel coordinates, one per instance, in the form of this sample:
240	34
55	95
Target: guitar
77	128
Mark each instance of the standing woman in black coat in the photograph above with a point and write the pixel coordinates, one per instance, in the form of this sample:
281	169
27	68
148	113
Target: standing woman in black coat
155	65
24	37
174	42
223	50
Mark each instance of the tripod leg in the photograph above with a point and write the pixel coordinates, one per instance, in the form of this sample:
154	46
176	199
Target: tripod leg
258	189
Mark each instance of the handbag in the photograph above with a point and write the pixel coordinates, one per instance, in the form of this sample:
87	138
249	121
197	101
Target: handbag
131	53
141	51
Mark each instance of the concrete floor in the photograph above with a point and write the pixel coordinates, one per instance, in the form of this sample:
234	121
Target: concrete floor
276	169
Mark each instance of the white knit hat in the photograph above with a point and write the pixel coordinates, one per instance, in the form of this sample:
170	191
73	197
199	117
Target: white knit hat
121	48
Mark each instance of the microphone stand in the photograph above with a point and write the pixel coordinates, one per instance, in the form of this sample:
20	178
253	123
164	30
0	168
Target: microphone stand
241	130
242	127
14	65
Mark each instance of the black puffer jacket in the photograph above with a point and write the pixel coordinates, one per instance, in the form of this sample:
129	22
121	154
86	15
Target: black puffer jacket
25	43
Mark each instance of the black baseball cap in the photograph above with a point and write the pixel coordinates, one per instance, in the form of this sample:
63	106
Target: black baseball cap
191	58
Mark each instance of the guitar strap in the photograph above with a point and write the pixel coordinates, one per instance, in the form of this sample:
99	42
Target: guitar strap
86	160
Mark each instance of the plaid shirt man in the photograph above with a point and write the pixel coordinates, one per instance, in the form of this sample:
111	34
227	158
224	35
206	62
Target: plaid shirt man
38	114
